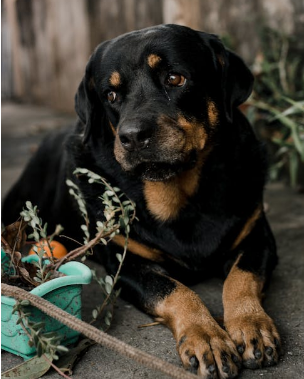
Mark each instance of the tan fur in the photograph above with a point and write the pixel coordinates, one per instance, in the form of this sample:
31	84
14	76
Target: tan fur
178	137
165	199
248	227
112	128
153	60
115	79
244	318
139	249
181	309
239	286
195	330
196	136
212	113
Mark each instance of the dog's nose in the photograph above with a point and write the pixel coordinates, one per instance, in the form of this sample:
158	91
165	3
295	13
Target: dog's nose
133	138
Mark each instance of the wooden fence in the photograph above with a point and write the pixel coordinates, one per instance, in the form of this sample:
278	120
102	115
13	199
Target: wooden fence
46	43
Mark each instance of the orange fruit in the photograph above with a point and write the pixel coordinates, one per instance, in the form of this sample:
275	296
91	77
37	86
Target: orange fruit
59	251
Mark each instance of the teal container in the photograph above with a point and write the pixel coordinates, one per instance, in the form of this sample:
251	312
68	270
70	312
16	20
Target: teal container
64	292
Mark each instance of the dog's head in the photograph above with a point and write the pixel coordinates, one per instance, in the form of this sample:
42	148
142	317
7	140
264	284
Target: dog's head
161	93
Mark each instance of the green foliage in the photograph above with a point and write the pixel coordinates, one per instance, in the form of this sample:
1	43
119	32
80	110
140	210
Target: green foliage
119	213
39	234
45	343
75	192
278	99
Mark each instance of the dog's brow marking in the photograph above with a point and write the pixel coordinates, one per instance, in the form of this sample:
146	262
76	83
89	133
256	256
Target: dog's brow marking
247	227
212	113
139	249
153	60
115	80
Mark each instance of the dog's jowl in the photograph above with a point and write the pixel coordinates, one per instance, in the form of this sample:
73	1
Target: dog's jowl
158	117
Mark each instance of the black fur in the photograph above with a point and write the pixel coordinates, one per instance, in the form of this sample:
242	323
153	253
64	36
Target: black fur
198	242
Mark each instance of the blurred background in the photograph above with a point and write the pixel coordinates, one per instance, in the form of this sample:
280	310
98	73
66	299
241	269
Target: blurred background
45	47
46	44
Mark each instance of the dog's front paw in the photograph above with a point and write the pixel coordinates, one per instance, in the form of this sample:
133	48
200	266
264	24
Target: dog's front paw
209	352
256	339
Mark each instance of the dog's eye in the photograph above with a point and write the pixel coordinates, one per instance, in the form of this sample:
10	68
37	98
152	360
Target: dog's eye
111	96
176	80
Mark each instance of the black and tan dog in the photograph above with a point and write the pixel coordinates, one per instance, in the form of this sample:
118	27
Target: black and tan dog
158	118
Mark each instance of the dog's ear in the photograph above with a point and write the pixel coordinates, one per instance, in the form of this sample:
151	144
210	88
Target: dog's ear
87	103
86	100
237	82
235	77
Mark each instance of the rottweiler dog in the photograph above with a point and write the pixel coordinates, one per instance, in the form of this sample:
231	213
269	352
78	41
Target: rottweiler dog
159	118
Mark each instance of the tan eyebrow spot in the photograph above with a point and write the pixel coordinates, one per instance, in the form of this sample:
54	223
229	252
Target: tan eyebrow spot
115	79
153	60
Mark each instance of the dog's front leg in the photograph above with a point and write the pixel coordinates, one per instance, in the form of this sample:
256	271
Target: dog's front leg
204	347
251	329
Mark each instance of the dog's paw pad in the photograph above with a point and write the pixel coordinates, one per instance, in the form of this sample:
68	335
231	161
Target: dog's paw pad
210	355
256	338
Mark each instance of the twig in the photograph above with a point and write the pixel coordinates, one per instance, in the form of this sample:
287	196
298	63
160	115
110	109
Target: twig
105	302
148	325
55	367
43	355
97	335
83	249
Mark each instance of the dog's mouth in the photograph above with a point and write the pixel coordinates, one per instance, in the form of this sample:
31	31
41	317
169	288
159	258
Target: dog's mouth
161	171
157	171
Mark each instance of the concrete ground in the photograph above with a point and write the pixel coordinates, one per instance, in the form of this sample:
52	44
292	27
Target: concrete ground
22	128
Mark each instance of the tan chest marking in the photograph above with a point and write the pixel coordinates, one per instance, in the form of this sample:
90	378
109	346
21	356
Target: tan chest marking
164	200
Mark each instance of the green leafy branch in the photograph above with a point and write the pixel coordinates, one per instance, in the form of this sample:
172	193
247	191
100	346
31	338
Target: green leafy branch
39	234
277	103
119	213
291	139
45	343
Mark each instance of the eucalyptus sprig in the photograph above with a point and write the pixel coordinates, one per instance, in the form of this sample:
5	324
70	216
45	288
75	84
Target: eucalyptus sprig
45	343
39	234
119	213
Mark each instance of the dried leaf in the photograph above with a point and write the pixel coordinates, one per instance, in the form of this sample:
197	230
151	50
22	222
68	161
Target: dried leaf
14	234
25	275
32	369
